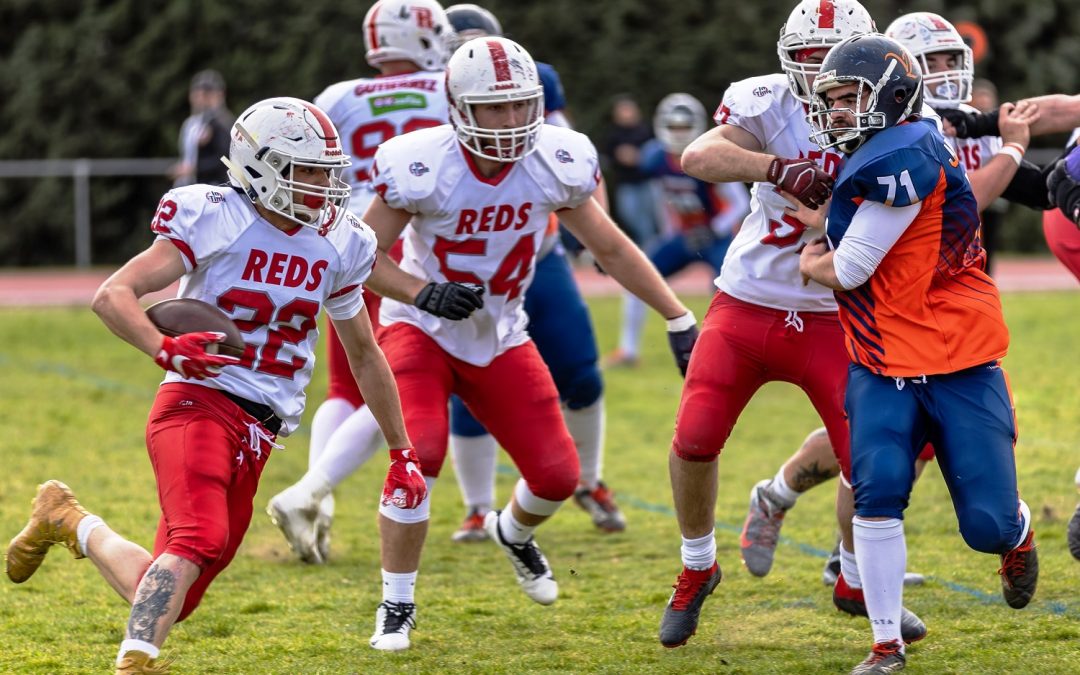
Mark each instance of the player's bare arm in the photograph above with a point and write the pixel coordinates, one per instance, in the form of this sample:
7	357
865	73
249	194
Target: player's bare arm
988	182
387	279
117	300
621	258
1057	113
374	377
448	300
726	153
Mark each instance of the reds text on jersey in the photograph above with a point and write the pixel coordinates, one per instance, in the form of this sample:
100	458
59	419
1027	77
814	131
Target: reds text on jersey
473	229
271	283
370	111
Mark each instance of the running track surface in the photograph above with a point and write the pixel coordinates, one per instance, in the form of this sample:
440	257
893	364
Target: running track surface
66	287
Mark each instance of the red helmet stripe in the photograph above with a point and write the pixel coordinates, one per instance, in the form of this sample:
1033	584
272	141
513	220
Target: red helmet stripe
826	14
499	60
373	34
329	133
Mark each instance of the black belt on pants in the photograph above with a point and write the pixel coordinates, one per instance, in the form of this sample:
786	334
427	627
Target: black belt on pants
263	413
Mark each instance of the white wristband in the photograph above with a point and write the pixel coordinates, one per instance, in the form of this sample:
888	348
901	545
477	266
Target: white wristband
1012	152
681	323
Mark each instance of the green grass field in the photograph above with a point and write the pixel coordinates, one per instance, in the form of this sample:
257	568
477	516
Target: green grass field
75	399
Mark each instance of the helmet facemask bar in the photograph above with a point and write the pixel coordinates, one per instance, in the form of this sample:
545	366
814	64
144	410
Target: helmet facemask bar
846	139
500	145
948	88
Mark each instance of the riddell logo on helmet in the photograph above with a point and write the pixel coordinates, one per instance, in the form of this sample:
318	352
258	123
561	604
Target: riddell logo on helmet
501	86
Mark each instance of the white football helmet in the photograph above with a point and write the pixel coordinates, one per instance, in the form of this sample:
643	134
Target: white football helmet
273	137
817	24
926	33
407	30
494	70
679	119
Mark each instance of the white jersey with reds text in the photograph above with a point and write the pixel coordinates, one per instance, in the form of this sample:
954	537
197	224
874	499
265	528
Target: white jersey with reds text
974	153
473	229
370	111
762	264
272	284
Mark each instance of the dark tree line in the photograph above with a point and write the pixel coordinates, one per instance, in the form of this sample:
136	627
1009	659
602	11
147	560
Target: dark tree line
108	78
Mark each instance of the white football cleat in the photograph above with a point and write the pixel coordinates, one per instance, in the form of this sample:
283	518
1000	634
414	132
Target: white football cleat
530	565
393	621
294	512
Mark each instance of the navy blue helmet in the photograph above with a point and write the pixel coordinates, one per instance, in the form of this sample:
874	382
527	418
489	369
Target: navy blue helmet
471	21
889	90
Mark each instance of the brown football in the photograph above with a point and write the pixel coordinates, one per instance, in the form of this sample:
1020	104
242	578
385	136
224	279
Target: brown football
187	315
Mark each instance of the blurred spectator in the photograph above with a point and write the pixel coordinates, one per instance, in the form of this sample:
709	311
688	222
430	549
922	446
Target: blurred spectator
204	136
984	98
984	95
634	208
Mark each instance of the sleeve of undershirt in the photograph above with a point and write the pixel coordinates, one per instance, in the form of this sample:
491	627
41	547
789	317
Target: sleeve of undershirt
873	230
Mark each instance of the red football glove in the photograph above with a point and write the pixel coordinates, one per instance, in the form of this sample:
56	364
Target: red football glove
802	179
186	354
404	487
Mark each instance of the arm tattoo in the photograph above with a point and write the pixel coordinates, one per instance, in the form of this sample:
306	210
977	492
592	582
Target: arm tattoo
808	477
152	602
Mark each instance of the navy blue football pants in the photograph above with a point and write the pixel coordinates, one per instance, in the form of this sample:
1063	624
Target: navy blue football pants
969	418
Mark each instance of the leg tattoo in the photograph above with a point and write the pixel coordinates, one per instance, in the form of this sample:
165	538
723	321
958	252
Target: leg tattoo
809	476
152	601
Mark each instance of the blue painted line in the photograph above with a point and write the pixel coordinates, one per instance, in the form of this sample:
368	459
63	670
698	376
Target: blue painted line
67	372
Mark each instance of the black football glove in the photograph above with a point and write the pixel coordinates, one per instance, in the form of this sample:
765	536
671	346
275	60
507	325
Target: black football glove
450	299
681	339
971	124
1064	192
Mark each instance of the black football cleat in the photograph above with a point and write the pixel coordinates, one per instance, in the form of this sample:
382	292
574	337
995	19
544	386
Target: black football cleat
681	614
1020	573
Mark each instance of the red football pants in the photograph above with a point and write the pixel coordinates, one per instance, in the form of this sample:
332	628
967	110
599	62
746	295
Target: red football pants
1063	238
207	476
742	346
514	398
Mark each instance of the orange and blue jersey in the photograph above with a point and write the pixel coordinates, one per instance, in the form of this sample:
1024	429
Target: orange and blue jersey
929	308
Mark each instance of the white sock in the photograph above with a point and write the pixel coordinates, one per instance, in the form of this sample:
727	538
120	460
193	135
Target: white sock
1025	515
314	483
474	466
330	415
781	492
849	568
87	525
882	554
356	440
632	324
586	426
699	554
137	646
512	531
398	587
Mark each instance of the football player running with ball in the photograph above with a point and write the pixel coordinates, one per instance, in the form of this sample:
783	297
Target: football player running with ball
271	250
477	195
